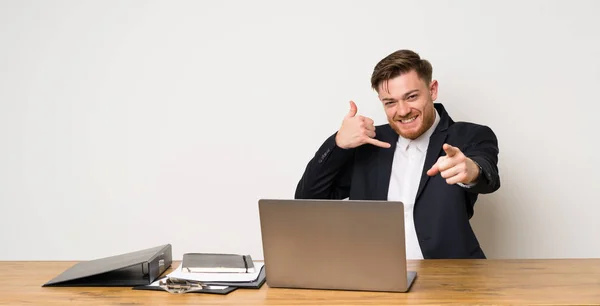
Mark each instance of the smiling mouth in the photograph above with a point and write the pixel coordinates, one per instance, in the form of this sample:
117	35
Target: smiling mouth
408	120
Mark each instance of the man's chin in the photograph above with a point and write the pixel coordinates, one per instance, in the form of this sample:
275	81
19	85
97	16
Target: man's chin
408	134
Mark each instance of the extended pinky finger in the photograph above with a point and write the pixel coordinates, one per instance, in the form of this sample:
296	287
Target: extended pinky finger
378	143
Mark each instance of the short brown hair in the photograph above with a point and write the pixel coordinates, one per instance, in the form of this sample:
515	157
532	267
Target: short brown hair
400	62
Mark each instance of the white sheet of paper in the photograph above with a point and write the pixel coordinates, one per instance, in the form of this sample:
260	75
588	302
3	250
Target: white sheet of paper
218	277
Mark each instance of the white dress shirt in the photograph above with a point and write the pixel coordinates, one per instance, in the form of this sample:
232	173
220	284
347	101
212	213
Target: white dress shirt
407	168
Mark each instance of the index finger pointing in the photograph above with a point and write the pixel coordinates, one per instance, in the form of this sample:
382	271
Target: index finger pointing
450	150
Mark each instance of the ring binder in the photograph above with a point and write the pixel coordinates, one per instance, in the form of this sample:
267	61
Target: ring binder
137	268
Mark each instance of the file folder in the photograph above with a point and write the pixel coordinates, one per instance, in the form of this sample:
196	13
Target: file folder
130	269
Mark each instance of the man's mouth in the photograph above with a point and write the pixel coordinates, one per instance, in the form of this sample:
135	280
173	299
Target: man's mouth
408	120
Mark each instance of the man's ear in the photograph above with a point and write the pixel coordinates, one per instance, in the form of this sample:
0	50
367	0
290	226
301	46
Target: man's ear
433	89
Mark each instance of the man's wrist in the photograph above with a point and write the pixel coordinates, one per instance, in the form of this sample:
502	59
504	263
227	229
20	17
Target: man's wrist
477	170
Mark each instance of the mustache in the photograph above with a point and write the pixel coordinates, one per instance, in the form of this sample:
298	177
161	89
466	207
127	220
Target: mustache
405	117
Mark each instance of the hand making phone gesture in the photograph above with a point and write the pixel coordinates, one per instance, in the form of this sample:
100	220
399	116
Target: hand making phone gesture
356	131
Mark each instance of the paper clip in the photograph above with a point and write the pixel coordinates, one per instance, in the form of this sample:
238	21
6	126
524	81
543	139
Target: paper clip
176	285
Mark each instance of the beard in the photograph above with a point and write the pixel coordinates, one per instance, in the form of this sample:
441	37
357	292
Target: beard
425	121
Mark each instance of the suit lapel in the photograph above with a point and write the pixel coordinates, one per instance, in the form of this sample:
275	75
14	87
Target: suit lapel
385	159
436	141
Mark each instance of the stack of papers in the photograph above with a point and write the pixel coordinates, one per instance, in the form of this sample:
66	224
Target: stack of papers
210	282
212	277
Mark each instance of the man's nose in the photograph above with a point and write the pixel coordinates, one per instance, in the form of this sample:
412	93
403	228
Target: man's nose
402	109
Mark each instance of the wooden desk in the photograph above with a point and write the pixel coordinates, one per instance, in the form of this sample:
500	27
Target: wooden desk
568	281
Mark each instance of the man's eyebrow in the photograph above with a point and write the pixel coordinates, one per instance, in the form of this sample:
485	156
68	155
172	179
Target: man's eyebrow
403	97
410	92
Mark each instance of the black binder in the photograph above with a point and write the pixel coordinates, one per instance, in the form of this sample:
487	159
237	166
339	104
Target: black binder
130	269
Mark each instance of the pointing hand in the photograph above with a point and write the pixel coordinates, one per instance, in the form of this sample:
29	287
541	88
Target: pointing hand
455	167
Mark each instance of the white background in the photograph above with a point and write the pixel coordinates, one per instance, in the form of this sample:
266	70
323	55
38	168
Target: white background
129	124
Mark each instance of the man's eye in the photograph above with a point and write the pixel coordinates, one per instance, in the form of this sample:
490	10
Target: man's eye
412	97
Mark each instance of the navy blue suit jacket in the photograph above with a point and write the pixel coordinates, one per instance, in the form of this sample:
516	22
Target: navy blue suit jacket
441	211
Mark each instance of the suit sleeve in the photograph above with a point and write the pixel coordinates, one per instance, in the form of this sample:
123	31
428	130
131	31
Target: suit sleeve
483	150
328	173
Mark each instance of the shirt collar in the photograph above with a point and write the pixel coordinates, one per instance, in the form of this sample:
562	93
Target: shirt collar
422	142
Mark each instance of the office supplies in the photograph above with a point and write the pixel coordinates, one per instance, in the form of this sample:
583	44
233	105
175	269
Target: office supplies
179	286
179	281
130	269
335	244
217	263
232	279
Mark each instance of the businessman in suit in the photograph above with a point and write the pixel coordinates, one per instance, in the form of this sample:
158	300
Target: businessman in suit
435	166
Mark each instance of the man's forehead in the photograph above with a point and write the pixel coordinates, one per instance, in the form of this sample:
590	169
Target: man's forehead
401	84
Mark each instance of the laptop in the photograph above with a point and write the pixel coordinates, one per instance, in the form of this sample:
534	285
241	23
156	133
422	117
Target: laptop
334	244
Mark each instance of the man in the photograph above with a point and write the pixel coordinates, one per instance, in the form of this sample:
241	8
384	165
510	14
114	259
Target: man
435	166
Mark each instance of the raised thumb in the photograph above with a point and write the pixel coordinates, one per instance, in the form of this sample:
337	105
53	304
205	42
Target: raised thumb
353	109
